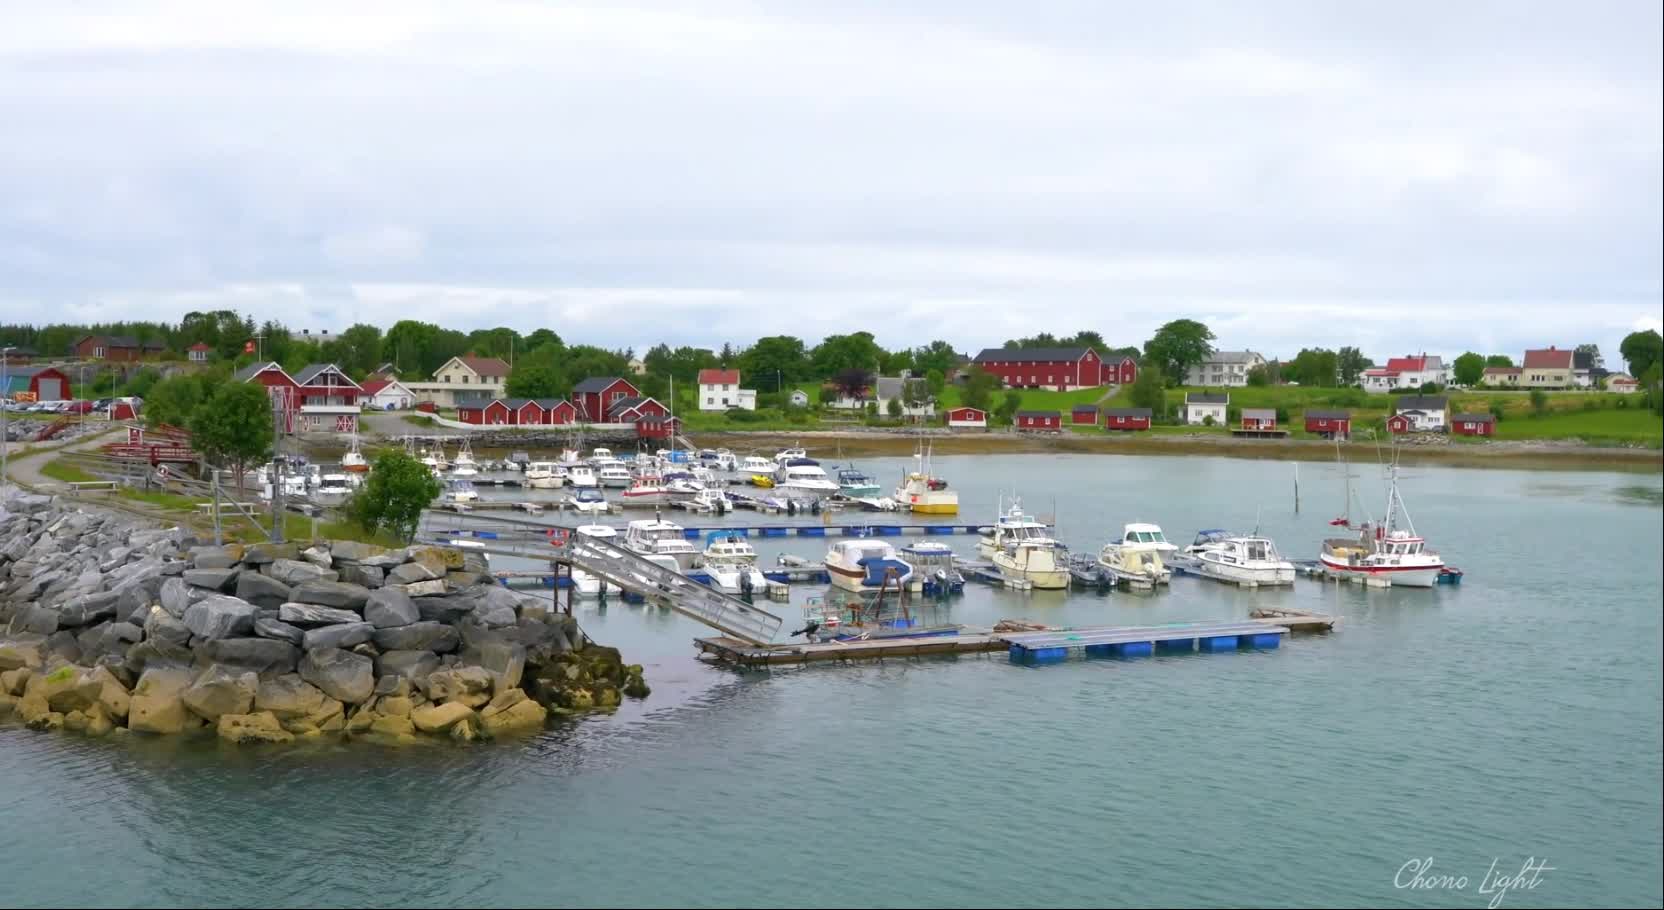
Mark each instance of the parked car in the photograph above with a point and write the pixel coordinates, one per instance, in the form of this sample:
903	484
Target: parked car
79	407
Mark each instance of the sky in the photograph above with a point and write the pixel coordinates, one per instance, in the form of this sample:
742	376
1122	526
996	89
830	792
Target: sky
1398	176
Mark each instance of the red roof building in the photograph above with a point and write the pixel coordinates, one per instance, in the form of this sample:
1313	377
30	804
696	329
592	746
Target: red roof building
1473	425
1127	418
1329	424
719	377
968	418
1039	420
1084	414
1051	368
595	396
199	352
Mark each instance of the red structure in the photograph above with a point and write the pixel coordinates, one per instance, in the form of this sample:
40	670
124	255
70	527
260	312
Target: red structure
1398	423
1259	419
123	409
319	398
120	348
519	412
626	410
1329	424
1084	413
467	413
594	397
1039	420
1473	425
654	426
968	417
199	352
1051	368
1127	419
36	384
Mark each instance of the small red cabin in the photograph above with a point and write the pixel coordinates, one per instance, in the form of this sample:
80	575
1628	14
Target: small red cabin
1123	373
1473	425
1329	424
968	417
1084	414
1039	420
1398	423
654	426
123	409
1127	419
1259	419
427	407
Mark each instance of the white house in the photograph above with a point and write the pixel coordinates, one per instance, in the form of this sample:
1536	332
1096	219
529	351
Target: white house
1414	413
1622	383
466	377
799	398
388	395
1199	406
895	387
719	390
1410	372
1224	368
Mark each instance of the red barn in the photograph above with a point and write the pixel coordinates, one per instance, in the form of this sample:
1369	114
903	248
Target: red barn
1123	373
472	412
1059	368
559	411
1330	424
320	398
626	410
1259	419
655	426
1039	420
1473	425
1084	413
594	397
1127	418
124	348
968	418
36	384
1398	423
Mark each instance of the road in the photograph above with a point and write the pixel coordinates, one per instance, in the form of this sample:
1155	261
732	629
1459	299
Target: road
25	469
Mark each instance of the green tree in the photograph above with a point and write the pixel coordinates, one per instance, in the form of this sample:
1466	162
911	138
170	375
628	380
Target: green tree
1318	367
837	353
501	341
1351	364
1178	346
853	382
935	382
894	407
1497	410
173	401
1652	386
541	338
979	388
1009	405
1469	369
142	382
1641	350
1539	402
1259	375
234	425
1149	391
1498	360
356	350
937	355
780	355
398	489
534	380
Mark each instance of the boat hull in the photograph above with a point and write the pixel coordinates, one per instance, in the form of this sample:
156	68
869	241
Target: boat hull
932	506
1398	576
1245	575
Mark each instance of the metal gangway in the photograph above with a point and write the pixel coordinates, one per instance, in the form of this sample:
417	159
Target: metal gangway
614	564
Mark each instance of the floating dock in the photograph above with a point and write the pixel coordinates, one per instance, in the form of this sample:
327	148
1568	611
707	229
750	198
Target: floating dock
862	530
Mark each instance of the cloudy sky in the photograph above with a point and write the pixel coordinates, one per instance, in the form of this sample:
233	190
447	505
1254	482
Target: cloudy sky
1394	175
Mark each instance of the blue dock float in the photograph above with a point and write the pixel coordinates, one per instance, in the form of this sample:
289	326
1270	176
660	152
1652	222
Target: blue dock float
1141	641
867	530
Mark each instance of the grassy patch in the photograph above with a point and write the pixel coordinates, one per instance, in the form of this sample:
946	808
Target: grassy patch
420	420
1623	426
66	472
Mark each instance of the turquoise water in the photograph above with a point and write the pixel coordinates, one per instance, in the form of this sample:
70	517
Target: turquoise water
1514	716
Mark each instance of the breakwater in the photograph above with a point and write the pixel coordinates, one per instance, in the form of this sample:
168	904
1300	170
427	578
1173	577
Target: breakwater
108	625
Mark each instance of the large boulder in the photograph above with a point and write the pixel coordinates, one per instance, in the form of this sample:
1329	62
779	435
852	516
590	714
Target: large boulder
263	590
176	596
438	559
368	576
279	630
164	626
31	619
313	615
294	572
332	594
354	551
448	609
67	688
219	617
317	555
387	608
511	711
430	588
262	554
342	675
288	696
410	573
343	635
113	697
439	718
264	656
260	727
459	682
29	652
412	665
88	609
216	557
418	636
220	690
156	652
156	706
494	605
505	660
212	579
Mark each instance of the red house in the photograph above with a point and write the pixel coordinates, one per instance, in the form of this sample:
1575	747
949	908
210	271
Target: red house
1127	418
1039	420
1259	419
1398	423
473	412
626	410
1330	424
319	398
1473	425
968	418
519	412
656	426
36	384
1123	373
123	409
1084	413
595	396
1059	368
123	348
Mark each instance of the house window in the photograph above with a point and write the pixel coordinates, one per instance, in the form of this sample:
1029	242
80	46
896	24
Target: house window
98	352
465	378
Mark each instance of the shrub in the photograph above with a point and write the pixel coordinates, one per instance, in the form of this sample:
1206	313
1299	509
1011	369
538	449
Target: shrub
1282	415
1539	402
1622	403
393	497
1207	420
1497	410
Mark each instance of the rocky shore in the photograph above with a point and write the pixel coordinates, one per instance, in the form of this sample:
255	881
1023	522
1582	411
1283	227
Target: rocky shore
109	626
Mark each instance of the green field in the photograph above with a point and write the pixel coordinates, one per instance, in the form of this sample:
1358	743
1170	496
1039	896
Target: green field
1619	426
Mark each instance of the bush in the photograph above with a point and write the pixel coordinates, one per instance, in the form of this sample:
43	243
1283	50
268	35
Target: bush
1207	420
894	407
1497	410
1622	403
398	489
1430	388
1592	403
1282	415
1539	402
741	415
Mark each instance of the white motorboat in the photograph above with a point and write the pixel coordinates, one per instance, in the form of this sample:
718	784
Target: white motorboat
430	460
440	463
717	460
866	564
353	460
1140	556
459	490
1041	562
517	461
600	453
1012	526
785	455
464	466
731	562
540	475
709	499
923	492
334	487
294	481
857	484
581	475
755	464
1383	554
803	481
650	490
585	584
1239	559
613	475
934	573
588	500
654	536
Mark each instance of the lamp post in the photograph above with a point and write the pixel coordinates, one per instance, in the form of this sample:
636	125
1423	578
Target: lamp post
5	412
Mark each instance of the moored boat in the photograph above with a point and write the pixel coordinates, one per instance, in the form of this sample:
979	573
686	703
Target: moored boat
1010	526
1384	554
923	492
731	563
1238	559
353	460
865	564
1039	561
934	573
661	538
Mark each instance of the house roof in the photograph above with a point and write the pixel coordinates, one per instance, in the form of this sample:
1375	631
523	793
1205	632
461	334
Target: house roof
894	386
1232	357
22	349
122	341
1622	379
1260	413
313	370
1501	371
485	366
1422	402
1474	418
255	369
595	384
719	377
966	407
547	404
1038	355
30	372
1583	360
657	418
1058	414
1126	412
1550	359
1207	398
1086	407
372	386
1330	415
1415	364
200	346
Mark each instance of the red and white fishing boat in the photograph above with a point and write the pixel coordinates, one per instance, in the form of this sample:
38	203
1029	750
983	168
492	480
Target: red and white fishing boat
1385	553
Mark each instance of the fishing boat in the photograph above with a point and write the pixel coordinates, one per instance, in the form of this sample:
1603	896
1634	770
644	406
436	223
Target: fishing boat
1239	559
656	536
440	463
540	475
1036	562
600	453
803	481
459	490
923	492
708	499
731	562
353	460
584	583
934	573
1140	555
581	475
588	500
866	564
650	490
846	616
1011	526
717	459
430	460
613	475
1389	553
857	484
465	466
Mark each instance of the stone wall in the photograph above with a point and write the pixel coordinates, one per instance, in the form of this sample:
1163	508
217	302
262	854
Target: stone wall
108	625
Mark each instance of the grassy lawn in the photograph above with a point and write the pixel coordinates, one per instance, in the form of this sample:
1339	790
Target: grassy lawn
66	472
1625	426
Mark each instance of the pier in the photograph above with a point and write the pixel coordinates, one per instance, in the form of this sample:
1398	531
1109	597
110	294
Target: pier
829	530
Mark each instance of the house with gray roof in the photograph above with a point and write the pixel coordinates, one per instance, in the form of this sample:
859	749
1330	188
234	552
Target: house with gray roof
1224	369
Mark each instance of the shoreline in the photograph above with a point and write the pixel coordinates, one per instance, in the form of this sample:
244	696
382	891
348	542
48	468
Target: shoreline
1508	454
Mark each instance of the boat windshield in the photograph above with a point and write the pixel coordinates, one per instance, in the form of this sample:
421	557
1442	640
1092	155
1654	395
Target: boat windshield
589	495
1259	549
1146	537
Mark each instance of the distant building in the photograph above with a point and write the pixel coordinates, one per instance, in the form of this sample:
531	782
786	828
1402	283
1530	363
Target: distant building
1127	418
799	398
117	348
22	355
1224	368
1411	372
321	398
521	412
1259	419
594	396
637	367
1039	420
719	390
628	409
1051	368
198	353
462	378
1622	383
1501	377
1586	369
1419	414
1550	368
1473	425
1084	414
1199	406
31	383
388	395
1329	424
891	388
967	418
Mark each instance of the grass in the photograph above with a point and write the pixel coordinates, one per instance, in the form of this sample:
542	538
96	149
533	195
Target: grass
66	472
1617	426
421	420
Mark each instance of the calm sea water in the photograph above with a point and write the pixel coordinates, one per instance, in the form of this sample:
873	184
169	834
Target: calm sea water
1514	717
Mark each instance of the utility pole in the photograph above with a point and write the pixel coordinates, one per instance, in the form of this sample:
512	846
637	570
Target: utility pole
5	411
280	414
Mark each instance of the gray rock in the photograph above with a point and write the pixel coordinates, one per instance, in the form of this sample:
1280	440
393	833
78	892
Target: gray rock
173	568
156	652
342	675
505	660
383	561
263	590
449	608
354	551
35	619
262	655
278	630
176	596
368	576
314	615
62	644
220	617
344	635
410	573
332	594
412	665
293	571
220	690
133	604
89	609
264	554
288	696
430	588
318	556
213	558
111	638
429	636
212	579
160	625
389	609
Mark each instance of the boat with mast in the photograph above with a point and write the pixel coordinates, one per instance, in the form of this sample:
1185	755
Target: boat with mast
922	491
1388	553
354	461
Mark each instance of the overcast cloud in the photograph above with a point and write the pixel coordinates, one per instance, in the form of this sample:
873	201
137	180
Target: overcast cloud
1398	176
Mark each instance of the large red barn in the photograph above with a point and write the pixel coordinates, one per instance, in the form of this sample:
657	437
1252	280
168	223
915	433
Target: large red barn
1053	368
